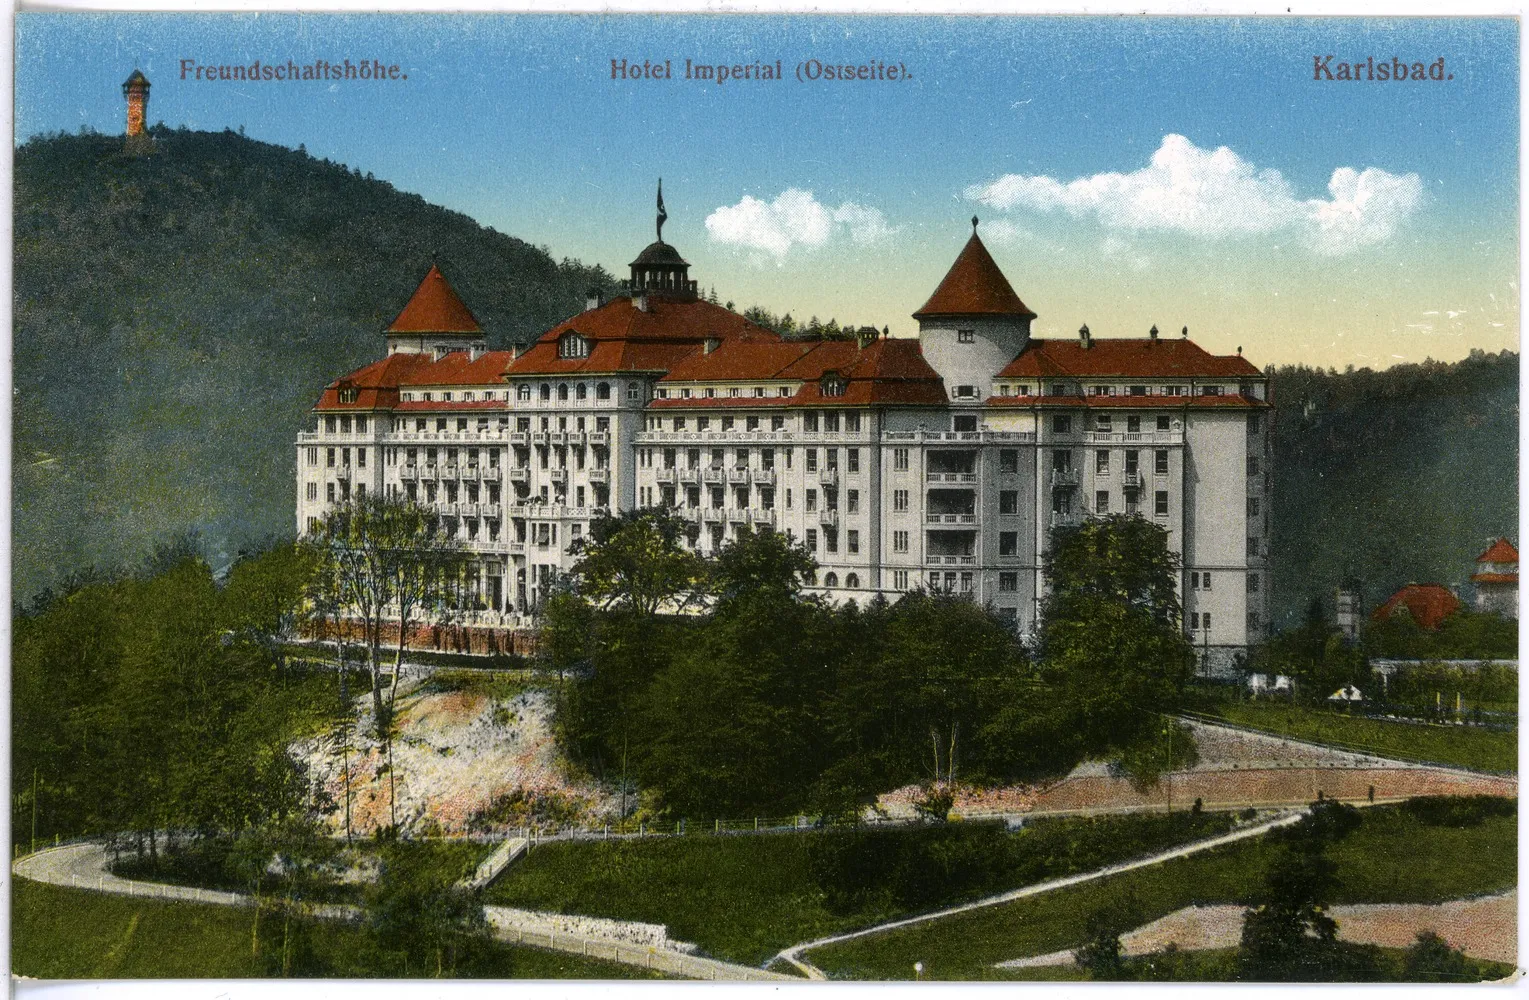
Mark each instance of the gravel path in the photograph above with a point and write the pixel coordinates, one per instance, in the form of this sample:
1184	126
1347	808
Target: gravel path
1484	927
796	954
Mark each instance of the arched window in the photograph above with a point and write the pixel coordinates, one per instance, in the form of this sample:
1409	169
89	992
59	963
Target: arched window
572	345
562	393
523	392
546	393
581	393
603	390
833	384
831	580
852	582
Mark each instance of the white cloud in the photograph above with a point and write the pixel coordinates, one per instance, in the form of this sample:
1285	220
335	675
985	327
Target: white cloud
1215	194
794	219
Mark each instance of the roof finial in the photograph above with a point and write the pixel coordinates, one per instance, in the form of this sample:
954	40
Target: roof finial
663	216
974	225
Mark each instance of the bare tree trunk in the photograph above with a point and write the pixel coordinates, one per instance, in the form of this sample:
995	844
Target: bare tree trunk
950	758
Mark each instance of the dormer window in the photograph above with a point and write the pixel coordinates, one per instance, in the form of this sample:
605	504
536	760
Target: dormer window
833	384
349	394
966	392
572	345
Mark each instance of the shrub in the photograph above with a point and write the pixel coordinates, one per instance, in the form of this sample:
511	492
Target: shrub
1458	811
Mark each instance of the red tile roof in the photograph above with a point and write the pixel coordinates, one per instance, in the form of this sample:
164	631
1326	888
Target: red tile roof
1494	578
1500	551
626	338
378	383
1428	603
1124	358
435	308
884	372
1231	402
974	286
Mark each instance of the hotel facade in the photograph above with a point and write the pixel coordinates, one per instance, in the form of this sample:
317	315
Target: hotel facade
942	462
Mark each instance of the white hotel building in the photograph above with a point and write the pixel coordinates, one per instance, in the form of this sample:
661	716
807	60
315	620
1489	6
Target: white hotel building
941	462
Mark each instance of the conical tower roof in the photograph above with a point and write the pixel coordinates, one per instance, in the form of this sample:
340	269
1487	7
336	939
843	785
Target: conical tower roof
435	308
974	286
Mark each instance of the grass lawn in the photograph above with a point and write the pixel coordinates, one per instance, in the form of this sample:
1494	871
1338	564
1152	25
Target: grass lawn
1463	746
59	933
1391	858
744	898
1220	965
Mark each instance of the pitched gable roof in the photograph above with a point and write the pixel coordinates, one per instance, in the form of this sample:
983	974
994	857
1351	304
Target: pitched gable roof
1124	358
884	371
974	286
435	307
1428	604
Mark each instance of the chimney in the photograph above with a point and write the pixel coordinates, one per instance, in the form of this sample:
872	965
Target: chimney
1184	333
1153	333
593	299
1085	338
516	350
710	344
476	351
640	300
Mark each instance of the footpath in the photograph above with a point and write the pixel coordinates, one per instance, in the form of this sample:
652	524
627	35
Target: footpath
83	866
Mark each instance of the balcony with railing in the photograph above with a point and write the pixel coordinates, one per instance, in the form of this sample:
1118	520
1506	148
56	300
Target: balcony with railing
520	474
343	472
965	437
599	475
967	519
666	475
952	478
600	439
540	437
828	477
1064	478
1135	437
1066	518
762	515
521	438
713	514
950	559
1131	479
408	472
714	475
738	476
764	477
691	476
470	473
829	517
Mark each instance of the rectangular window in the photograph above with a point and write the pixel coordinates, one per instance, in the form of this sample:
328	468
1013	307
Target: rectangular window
1160	461
1194	621
900	579
1102	502
1205	620
1133	462
1204	581
1008	502
1061	460
1061	424
313	491
1252	547
329	457
1101	463
1163	422
1194	580
313	456
812	539
1160	503
852	422
1008	583
852	460
1008	543
812	500
1133	425
1252	619
810	421
1254	506
852	540
329	492
899	541
900	500
361	457
852	501
1252	465
1252	583
900	459
965	336
830	540
1008	460
1210	390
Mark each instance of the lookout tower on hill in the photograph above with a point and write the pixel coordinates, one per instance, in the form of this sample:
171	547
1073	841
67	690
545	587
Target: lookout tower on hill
136	91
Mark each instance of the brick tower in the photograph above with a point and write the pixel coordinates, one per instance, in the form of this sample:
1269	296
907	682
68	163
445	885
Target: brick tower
136	90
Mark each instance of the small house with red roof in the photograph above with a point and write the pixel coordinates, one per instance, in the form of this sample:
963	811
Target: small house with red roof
1428	604
1496	579
948	461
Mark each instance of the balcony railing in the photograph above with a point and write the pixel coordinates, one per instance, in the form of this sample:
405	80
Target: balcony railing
1134	437
738	477
1064	477
956	478
966	437
933	518
939	559
1131	479
516	548
829	517
690	475
343	472
577	438
599	475
714	475
666	475
761	515
408	472
600	439
1062	518
540	437
829	477
520	474
558	475
714	513
764	477
469	473
521	438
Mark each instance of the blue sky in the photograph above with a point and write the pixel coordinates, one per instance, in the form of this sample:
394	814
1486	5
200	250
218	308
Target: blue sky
1089	147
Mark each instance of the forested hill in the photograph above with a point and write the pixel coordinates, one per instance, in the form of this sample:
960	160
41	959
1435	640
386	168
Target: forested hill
1392	476
176	314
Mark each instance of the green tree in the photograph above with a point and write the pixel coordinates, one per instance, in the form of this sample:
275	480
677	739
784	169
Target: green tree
634	561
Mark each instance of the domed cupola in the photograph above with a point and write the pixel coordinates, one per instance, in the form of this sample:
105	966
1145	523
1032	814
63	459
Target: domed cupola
660	268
